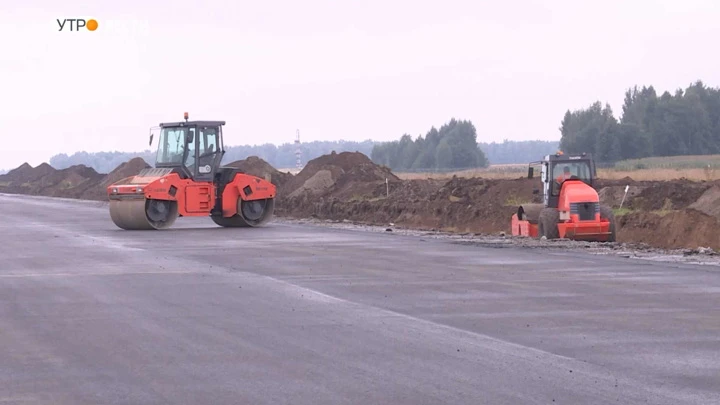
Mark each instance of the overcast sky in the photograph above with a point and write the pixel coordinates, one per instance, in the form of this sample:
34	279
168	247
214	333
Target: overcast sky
339	69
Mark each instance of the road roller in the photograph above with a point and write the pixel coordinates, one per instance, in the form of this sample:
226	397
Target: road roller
571	206
189	181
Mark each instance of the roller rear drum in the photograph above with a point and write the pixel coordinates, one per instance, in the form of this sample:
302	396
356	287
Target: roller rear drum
250	214
143	214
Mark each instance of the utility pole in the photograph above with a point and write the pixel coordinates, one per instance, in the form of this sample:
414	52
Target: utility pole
298	153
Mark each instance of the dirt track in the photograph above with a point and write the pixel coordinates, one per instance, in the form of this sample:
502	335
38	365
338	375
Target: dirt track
349	187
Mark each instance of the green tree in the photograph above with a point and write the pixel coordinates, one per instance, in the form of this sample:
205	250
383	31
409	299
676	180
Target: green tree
453	146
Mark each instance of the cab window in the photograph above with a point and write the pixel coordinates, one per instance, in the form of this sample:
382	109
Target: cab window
569	170
171	146
190	160
208	141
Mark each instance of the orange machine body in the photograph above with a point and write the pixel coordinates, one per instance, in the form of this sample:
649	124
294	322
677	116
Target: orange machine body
571	206
194	198
523	227
574	196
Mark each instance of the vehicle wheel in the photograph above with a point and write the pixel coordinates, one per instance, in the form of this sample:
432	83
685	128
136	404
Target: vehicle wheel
606	213
548	223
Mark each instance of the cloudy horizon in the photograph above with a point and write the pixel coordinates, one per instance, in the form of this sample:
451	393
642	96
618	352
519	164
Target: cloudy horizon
334	70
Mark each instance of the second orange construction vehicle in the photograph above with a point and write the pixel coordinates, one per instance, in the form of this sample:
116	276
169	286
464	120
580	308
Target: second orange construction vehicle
571	206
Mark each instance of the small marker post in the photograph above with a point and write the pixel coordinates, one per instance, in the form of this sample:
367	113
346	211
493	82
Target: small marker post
624	195
387	188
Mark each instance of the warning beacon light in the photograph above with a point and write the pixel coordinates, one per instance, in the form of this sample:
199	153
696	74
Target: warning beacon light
186	116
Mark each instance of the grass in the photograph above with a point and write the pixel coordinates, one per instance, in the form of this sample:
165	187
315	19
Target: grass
492	172
660	174
624	211
671	162
696	168
621	211
516	201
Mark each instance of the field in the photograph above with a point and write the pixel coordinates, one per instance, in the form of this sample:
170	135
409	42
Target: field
695	168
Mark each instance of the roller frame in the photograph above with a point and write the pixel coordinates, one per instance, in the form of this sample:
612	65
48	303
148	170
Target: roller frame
128	199
557	209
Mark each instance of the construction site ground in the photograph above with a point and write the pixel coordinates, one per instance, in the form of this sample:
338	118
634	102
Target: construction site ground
682	216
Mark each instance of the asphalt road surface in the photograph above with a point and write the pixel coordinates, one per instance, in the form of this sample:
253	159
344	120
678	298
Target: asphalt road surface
294	314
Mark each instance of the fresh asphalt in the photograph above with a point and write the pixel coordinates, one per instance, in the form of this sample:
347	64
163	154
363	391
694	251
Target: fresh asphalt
298	314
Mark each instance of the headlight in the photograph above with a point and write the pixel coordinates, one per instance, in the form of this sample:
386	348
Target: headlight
139	189
114	191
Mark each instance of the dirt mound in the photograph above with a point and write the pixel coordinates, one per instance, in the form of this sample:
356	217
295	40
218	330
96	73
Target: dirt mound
460	204
709	202
71	182
18	173
26	173
411	190
481	205
128	169
612	196
668	195
687	228
343	160
625	181
342	175
256	166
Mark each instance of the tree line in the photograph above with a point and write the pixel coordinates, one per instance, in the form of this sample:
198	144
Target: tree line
510	152
684	123
453	146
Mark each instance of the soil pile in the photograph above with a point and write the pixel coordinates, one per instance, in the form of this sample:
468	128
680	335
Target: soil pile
345	175
256	166
709	202
460	204
625	181
44	180
612	196
26	174
686	228
131	168
128	169
669	214
668	195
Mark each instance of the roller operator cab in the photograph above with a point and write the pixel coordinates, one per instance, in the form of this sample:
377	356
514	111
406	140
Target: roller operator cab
188	180
571	206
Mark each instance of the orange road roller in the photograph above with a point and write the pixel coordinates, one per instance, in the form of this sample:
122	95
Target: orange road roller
571	206
189	181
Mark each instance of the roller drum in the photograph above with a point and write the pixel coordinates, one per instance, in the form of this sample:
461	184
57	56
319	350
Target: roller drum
250	214
530	212
143	214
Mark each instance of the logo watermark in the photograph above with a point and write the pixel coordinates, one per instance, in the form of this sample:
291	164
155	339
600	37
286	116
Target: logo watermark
122	26
75	24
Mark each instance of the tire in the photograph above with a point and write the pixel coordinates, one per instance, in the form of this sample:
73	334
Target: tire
606	213
548	223
242	220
